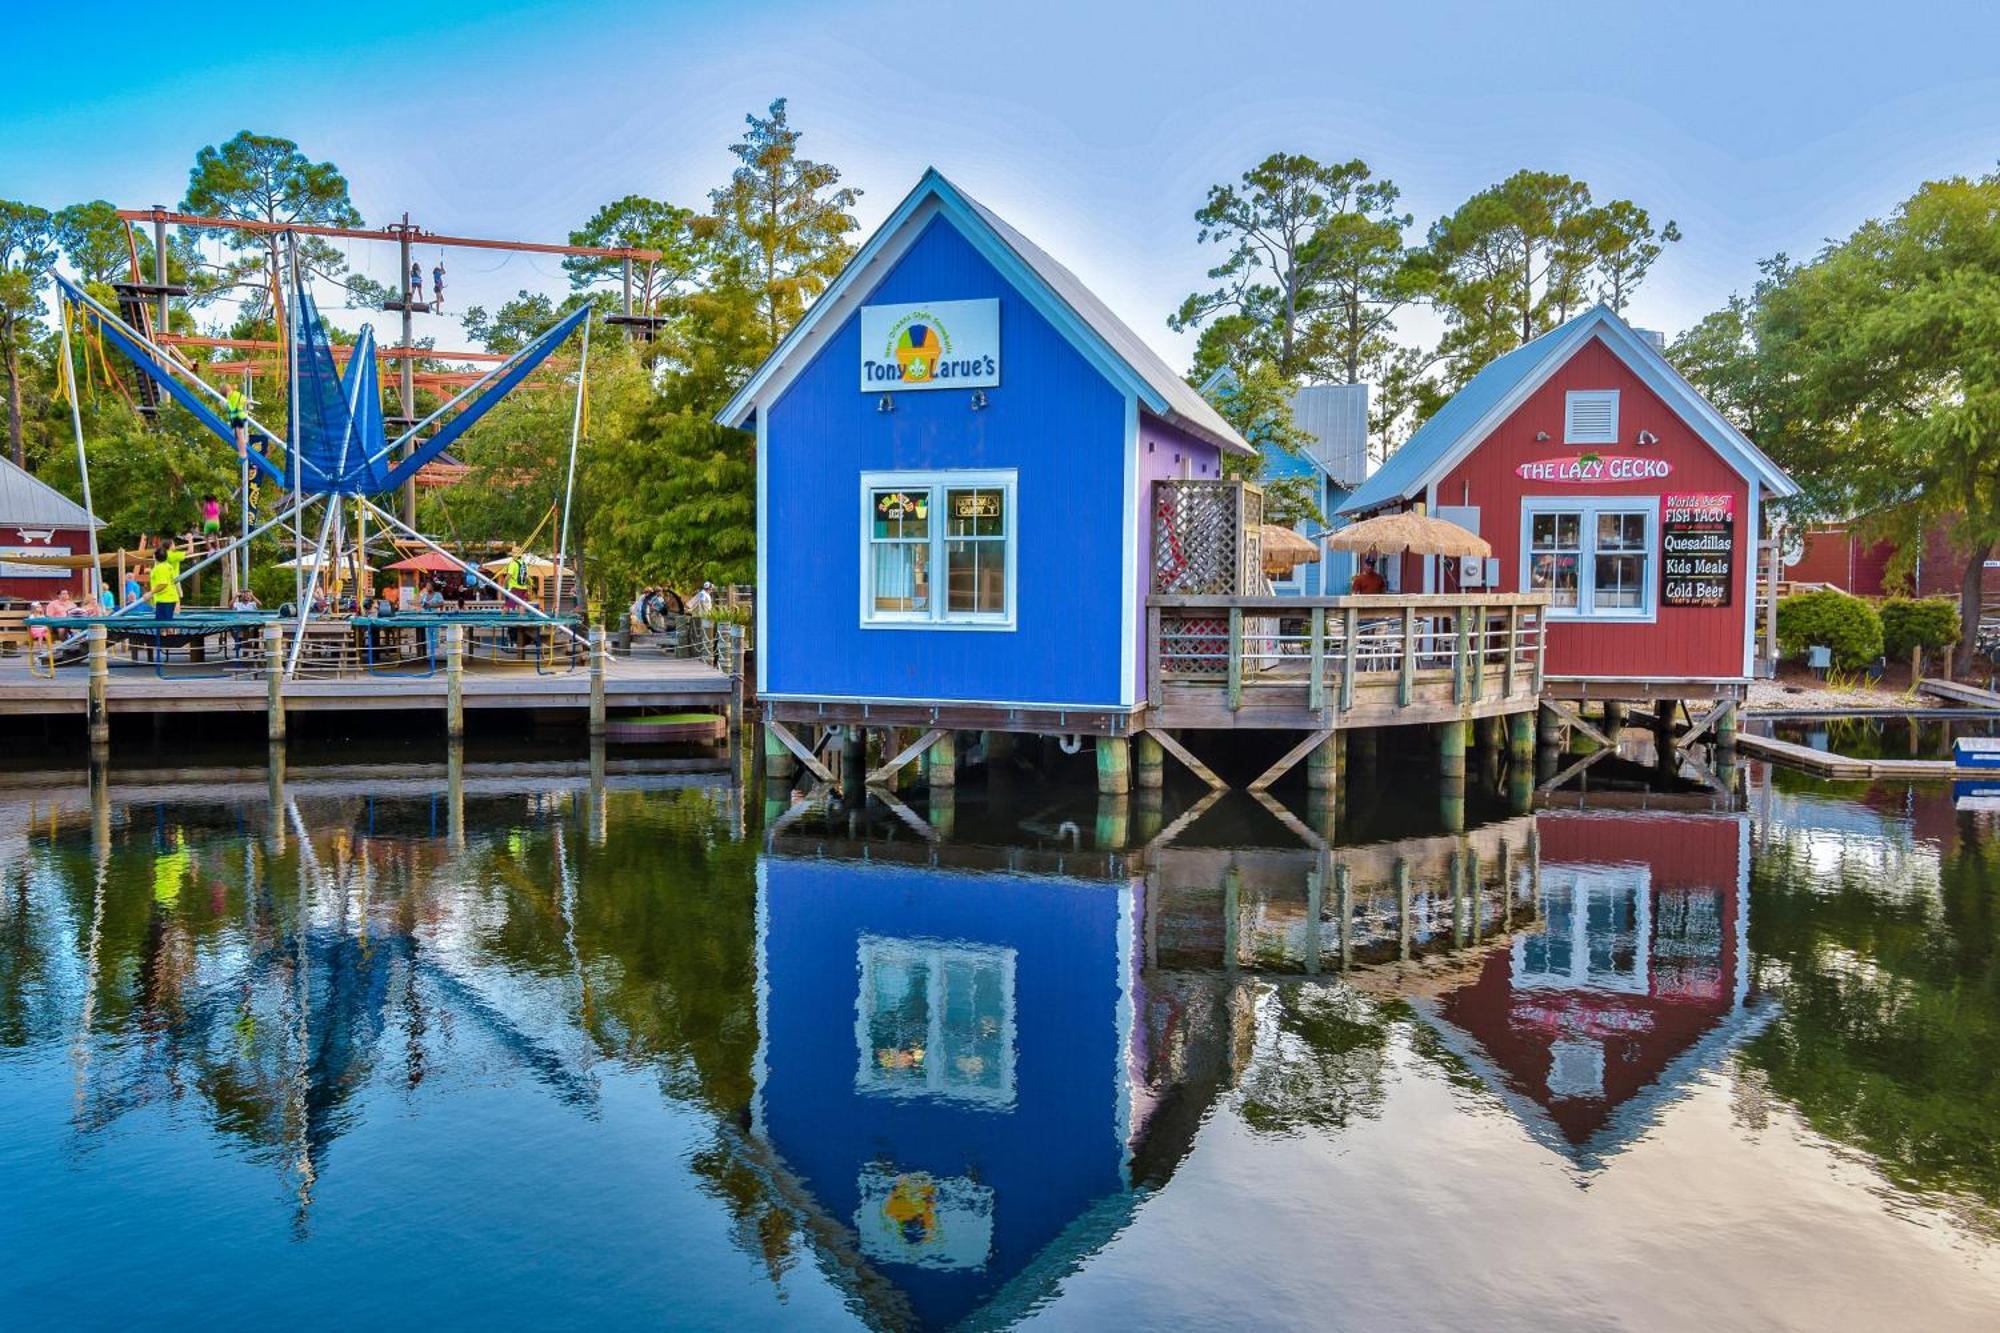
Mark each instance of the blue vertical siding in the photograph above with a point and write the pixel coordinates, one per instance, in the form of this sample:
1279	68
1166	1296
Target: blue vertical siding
1054	418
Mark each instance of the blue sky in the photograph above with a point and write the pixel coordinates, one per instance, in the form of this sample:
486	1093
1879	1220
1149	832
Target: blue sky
1095	127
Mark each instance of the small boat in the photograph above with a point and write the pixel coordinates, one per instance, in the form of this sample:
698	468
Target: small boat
1976	752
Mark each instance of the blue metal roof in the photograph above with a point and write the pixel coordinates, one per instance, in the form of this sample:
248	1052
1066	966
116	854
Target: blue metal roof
1508	379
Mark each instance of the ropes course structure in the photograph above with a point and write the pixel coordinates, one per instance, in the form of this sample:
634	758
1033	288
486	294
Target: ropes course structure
336	450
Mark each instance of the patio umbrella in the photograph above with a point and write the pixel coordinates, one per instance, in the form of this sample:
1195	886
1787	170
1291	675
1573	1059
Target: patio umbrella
426	562
1419	534
1283	550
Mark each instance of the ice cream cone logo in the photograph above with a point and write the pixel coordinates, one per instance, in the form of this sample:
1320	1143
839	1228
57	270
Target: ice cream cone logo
918	347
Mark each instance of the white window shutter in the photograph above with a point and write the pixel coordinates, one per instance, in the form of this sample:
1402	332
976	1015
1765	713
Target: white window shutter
1590	416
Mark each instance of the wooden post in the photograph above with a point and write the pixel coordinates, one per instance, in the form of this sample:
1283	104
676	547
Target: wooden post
1343	884
274	682
1725	727
597	650
1521	739
1114	765
1316	682
1323	765
1316	887
1451	750
1349	642
1149	761
1478	652
1548	726
1406	684
1614	718
941	762
1155	667
98	713
1235	658
1513	648
1460	652
1401	876
779	762
454	682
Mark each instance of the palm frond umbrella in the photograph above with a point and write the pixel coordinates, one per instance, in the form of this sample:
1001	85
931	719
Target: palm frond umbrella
1283	550
1419	534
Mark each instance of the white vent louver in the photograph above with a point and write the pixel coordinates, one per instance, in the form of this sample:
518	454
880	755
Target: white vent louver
1590	416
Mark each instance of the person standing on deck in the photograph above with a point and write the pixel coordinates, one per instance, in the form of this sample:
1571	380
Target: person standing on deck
165	582
516	574
416	282
437	286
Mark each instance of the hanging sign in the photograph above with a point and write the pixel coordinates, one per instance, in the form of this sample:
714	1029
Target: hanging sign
931	345
1698	549
1588	469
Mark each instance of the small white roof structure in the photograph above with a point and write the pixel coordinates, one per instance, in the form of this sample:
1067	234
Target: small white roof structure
26	501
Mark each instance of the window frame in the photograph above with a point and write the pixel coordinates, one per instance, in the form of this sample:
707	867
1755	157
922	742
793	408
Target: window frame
1570	400
937	482
1589	508
871	952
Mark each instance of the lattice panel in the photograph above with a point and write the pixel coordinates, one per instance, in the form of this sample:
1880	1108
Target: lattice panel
1194	645
1204	537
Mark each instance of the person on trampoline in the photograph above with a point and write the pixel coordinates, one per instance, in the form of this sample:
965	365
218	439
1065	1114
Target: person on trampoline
165	582
211	516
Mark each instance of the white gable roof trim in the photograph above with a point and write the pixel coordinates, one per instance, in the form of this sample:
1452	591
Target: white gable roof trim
1652	368
1106	341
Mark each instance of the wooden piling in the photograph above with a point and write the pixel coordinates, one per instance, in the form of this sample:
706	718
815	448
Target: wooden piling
941	762
98	709
779	762
597	654
1149	762
1548	727
1521	739
274	683
1114	765
454	686
1451	749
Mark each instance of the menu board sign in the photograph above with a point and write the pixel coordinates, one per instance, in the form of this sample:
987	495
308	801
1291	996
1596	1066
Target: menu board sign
1698	549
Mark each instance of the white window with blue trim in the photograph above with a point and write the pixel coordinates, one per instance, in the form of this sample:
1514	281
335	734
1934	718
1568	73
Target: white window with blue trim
1594	556
938	550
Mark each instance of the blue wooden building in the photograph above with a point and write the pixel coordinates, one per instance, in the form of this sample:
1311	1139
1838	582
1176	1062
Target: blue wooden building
955	451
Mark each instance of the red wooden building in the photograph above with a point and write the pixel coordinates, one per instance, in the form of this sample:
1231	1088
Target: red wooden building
1836	555
36	519
1603	478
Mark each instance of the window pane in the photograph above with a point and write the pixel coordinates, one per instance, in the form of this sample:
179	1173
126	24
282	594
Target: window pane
972	1035
1621	583
902	515
902	576
1621	532
1555	575
897	1014
976	513
976	577
1557	532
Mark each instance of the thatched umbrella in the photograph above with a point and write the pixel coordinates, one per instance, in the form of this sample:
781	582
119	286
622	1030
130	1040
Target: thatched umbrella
1419	534
1283	550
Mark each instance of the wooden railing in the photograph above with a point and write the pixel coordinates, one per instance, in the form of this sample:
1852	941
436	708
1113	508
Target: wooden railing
1328	656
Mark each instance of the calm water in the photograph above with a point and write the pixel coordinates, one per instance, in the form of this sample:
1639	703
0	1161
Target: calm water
509	1045
1886	737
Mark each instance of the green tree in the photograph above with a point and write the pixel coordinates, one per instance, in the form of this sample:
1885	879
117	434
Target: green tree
27	256
785	221
1522	256
513	325
1315	263
1870	373
263	178
685	242
93	239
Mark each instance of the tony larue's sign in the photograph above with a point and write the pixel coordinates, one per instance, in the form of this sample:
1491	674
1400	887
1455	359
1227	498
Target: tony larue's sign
1698	549
933	345
1586	469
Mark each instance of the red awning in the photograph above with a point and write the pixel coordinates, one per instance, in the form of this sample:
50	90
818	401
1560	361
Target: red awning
428	562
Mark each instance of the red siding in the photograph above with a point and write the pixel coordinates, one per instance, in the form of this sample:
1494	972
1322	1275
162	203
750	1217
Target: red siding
1683	642
39	589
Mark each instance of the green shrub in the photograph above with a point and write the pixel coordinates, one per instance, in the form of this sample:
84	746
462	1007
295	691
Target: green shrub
1847	625
1908	623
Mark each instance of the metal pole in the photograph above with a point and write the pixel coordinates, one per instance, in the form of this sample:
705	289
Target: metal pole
628	286
243	488
406	385
312	586
96	581
292	458
160	262
569	482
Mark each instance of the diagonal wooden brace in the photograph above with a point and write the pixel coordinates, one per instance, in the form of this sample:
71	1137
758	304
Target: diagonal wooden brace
1180	752
1305	747
806	756
890	767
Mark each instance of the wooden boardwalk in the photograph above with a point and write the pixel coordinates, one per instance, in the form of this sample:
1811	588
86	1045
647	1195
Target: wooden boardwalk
629	682
1829	765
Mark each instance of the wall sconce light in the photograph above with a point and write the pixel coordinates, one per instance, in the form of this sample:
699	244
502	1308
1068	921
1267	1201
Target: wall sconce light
1541	436
1647	437
978	399
885	403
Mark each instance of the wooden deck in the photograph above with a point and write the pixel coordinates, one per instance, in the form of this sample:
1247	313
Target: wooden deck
1327	663
1828	765
629	682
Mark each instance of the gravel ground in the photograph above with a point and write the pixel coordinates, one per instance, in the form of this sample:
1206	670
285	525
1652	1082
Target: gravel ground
1797	696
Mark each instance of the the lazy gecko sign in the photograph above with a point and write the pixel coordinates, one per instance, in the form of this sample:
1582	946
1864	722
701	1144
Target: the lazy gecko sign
1592	469
931	345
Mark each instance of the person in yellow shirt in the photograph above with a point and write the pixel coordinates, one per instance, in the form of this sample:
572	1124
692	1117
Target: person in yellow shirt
165	583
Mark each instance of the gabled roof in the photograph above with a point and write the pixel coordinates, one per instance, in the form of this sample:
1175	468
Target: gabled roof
1505	383
1123	356
27	501
1336	416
